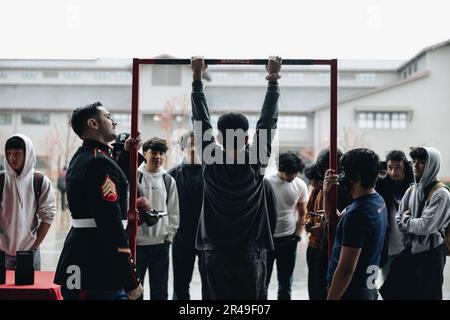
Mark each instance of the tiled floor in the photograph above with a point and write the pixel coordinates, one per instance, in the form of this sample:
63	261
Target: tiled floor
54	241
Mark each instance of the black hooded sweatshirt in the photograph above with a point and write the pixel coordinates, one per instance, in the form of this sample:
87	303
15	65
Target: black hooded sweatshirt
234	213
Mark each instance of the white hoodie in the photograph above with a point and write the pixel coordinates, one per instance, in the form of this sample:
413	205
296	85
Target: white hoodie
153	188
18	223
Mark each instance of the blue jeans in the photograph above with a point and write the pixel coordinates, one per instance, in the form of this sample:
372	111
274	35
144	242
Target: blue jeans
10	261
285	253
155	259
93	295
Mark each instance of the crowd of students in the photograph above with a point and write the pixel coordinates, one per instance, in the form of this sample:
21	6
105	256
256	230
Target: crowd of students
388	235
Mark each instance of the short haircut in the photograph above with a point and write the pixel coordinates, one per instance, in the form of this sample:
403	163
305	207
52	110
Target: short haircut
80	116
418	153
185	138
361	164
233	121
15	143
290	162
311	173
396	155
155	144
323	161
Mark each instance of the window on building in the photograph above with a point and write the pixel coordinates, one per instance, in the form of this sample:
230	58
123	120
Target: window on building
166	75
71	74
36	118
399	120
295	76
122	119
324	76
28	74
286	122
3	74
103	75
251	76
5	118
50	74
382	120
219	76
292	122
366	120
367	77
346	76
415	66
123	75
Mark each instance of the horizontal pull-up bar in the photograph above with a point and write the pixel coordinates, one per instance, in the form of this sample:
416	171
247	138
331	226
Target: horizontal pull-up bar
132	207
237	61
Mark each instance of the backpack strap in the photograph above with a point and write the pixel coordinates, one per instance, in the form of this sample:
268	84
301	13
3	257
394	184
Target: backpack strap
437	186
428	194
167	183
2	184
38	180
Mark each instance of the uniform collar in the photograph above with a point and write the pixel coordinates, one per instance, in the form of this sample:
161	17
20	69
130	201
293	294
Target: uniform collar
97	145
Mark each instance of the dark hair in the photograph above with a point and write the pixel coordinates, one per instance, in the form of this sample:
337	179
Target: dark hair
155	144
418	153
323	161
361	164
231	120
290	162
15	143
383	165
311	173
185	138
80	115
396	155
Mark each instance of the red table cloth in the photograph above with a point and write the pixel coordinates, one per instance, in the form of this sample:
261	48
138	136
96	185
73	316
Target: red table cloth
43	288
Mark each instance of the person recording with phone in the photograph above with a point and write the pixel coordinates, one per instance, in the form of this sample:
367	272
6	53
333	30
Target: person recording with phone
153	242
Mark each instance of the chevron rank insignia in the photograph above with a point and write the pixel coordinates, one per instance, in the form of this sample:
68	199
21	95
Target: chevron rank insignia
109	190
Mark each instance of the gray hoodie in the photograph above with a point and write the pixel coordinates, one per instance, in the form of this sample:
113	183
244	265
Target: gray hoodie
424	232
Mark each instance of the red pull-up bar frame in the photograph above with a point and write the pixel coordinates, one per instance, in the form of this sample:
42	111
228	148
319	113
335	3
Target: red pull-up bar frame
132	211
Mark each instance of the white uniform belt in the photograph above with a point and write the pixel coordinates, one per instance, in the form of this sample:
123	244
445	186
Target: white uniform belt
89	223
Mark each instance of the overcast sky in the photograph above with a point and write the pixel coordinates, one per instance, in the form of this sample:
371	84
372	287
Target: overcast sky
349	29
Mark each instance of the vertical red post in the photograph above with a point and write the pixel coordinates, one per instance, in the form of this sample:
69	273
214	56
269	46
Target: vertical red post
333	219
132	207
